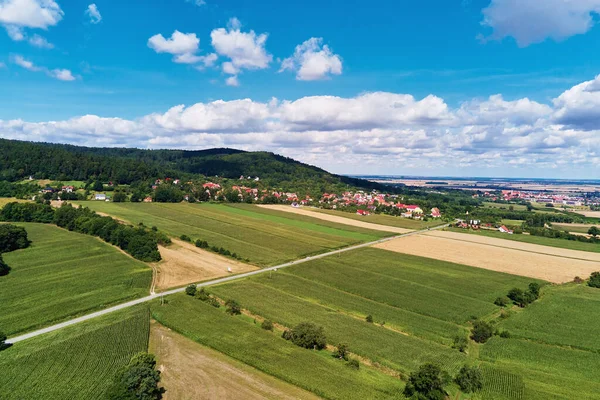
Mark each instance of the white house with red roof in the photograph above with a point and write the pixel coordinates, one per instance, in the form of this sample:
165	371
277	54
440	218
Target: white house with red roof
504	229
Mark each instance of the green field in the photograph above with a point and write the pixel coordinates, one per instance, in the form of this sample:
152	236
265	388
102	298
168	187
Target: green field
512	222
382	219
264	237
5	200
548	372
573	227
543	241
563	316
503	206
240	338
64	274
78	362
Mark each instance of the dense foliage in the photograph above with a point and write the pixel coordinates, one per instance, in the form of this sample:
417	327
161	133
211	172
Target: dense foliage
138	380
4	268
19	160
13	238
307	335
427	383
523	298
18	190
594	280
141	243
482	331
469	379
3	338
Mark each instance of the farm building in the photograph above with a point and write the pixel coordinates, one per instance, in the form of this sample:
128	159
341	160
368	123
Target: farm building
504	229
435	213
100	197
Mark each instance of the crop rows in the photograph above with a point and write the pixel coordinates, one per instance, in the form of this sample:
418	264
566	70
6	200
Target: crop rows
252	233
63	274
75	364
501	385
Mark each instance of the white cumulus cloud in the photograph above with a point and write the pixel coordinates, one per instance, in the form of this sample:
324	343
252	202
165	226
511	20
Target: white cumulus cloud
245	50
313	61
30	13
93	13
533	21
62	74
184	48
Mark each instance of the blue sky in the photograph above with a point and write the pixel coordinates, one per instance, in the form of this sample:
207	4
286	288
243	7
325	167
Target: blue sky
118	64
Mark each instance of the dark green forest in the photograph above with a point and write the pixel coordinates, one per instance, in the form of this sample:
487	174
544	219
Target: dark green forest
20	160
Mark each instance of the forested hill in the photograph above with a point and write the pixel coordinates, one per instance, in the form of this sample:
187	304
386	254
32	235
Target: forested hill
19	160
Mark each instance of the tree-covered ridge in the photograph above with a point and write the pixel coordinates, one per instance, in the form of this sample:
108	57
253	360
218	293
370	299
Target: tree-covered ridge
20	160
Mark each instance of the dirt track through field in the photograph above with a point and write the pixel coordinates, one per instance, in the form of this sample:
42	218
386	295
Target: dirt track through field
336	219
183	263
534	261
192	371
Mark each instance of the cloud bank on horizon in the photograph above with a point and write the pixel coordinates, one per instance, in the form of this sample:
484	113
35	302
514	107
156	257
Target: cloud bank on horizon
374	129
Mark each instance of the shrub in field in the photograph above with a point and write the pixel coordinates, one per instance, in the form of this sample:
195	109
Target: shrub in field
214	302
3	338
427	383
354	364
505	334
202	294
578	280
4	268
534	289
369	319
461	343
481	331
138	380
594	231
203	244
341	351
594	280
502	301
185	238
267	325
307	335
13	238
523	298
191	290
233	307
469	379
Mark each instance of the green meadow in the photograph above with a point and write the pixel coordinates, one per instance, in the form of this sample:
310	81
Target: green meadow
64	274
264	237
78	362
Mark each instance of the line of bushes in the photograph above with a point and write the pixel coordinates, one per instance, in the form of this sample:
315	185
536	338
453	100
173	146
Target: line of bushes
553	233
203	244
139	242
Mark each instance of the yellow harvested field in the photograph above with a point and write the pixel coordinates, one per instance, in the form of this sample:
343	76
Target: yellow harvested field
183	263
336	219
192	371
593	214
534	261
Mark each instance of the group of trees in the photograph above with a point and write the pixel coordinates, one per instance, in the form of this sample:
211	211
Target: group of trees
307	335
202	295
429	382
139	242
594	280
11	238
137	381
520	297
556	234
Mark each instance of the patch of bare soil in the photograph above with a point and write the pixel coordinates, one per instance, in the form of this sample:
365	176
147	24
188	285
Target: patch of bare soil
335	218
192	371
497	255
183	263
593	214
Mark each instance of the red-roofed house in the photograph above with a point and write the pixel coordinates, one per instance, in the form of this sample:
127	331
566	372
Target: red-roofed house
435	213
363	212
504	229
210	185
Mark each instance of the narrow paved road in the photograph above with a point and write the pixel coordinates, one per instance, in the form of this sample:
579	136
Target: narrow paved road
132	303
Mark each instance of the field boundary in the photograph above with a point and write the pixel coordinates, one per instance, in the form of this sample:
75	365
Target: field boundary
154	296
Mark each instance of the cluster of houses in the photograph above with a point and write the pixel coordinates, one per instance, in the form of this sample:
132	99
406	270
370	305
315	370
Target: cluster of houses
476	225
537	197
369	202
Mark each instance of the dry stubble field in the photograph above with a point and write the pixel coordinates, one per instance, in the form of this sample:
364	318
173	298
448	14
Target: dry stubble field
183	263
534	261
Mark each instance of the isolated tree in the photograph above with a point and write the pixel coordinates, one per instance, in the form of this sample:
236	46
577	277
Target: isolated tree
341	352
469	379
481	331
233	307
594	231
12	238
460	343
119	197
267	325
369	319
518	297
4	268
427	383
594	280
2	341
191	290
307	335
502	301
137	381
